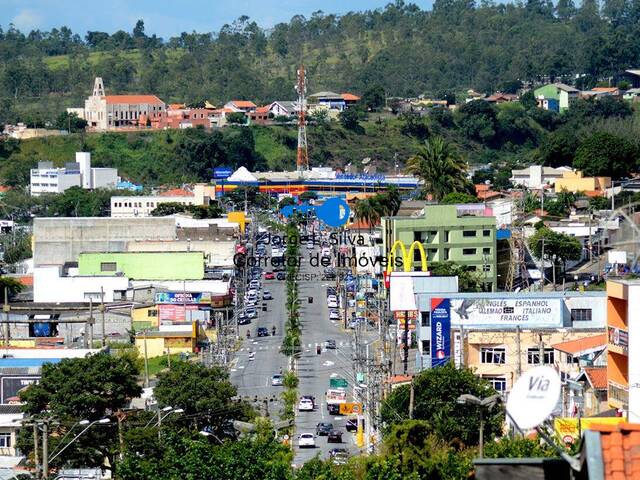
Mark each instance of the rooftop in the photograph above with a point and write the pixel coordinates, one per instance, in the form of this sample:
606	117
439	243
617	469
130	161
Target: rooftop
176	192
597	377
582	345
244	103
133	99
620	450
350	97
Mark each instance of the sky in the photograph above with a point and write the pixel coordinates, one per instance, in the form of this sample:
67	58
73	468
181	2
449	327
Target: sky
166	18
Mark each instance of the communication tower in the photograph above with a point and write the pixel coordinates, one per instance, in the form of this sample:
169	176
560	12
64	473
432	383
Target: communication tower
302	160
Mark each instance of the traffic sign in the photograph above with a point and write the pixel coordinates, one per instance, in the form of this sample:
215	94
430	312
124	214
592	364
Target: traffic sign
350	408
534	396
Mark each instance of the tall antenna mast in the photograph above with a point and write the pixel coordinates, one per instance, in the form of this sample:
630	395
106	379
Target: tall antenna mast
302	160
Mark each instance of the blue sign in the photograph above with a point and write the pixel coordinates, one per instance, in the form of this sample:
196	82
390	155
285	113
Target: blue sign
222	172
334	212
440	331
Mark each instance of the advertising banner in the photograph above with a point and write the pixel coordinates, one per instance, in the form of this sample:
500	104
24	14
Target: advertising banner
440	331
619	338
350	408
506	312
569	428
180	298
12	386
222	172
174	313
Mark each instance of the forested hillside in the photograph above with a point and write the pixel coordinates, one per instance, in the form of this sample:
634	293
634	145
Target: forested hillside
407	50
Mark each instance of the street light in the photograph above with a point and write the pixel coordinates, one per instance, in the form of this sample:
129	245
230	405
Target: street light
488	403
102	421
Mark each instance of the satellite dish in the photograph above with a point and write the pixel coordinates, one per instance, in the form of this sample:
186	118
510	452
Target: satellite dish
366	160
533	397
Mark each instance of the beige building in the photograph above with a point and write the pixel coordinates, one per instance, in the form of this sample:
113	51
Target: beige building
106	112
575	181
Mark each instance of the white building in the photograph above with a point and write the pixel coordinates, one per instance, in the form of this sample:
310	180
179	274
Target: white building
142	206
104	112
49	179
537	176
51	287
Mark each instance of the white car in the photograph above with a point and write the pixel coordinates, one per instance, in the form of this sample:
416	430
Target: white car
307	440
332	304
305	405
334	315
277	380
326	252
310	246
332	298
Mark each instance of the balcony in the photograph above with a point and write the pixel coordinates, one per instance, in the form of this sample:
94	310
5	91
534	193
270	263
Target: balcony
618	395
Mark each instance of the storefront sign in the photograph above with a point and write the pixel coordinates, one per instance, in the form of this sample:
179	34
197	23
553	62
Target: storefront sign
183	297
506	312
440	331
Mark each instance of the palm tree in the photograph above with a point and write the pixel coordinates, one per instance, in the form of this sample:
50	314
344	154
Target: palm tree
363	211
439	166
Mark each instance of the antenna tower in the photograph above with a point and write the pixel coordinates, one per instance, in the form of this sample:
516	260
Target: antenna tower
302	160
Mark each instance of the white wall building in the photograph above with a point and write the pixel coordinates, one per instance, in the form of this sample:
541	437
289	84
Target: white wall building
50	286
49	179
142	206
537	176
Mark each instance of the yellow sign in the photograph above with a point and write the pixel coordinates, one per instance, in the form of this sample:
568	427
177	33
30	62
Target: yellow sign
350	408
407	256
567	428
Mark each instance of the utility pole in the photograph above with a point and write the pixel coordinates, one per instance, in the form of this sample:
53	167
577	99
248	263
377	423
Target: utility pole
91	321
405	335
146	359
36	448
542	266
590	244
104	334
45	450
518	352
411	400
541	349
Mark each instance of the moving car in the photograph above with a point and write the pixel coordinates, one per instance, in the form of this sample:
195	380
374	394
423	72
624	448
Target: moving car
251	312
307	440
334	315
263	332
335	436
281	276
330	344
266	295
333	408
324	428
243	319
276	380
310	397
269	275
305	405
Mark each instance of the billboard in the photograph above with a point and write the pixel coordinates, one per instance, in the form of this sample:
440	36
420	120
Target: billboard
440	331
506	312
180	298
222	172
176	313
12	386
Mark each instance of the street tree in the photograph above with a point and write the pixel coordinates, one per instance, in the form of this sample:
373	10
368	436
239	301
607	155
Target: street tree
468	281
435	402
205	394
438	164
564	247
374	98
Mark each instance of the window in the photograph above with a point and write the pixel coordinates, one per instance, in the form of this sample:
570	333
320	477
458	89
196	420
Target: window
426	347
425	319
498	383
417	236
152	313
468	251
533	356
468	233
492	355
486	233
108	266
486	268
5	440
486	251
581	314
446	236
446	254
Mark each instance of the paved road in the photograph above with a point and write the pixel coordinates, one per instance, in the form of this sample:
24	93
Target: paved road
315	370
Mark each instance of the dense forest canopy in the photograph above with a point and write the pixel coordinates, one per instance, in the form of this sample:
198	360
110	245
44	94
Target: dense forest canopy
457	45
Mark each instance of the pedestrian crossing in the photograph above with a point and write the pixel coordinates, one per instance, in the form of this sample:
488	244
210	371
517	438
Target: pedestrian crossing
255	347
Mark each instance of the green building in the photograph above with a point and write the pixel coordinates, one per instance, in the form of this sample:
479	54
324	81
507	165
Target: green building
144	265
457	233
563	94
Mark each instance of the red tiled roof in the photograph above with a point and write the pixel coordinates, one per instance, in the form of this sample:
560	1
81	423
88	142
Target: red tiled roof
4	188
350	97
482	187
487	195
264	109
243	104
597	377
620	450
176	106
360	225
176	192
574	347
604	89
26	280
400	379
133	99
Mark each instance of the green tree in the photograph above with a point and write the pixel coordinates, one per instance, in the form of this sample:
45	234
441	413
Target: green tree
11	286
477	121
440	167
205	394
564	247
70	122
237	118
76	389
606	154
435	402
518	448
558	148
168	208
468	281
454	198
374	98
350	119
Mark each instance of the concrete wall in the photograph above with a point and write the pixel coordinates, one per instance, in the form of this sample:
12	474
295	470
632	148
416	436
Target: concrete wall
104	177
145	265
216	253
60	240
49	286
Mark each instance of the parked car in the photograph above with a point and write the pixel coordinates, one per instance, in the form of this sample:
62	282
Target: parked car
334	314
331	291
269	275
276	380
263	332
332	304
251	312
307	440
305	405
324	428
266	295
243	319
335	436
